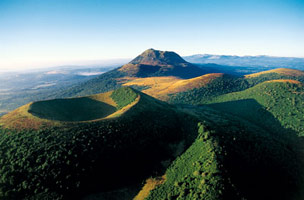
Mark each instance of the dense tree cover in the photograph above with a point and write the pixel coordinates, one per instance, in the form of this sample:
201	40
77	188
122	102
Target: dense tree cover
123	96
196	174
234	159
269	105
224	85
231	157
271	76
81	158
140	87
219	86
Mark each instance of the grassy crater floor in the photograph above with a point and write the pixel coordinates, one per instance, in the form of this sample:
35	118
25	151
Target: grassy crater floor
77	109
57	112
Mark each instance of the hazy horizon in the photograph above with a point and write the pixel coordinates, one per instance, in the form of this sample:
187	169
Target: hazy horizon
106	62
36	34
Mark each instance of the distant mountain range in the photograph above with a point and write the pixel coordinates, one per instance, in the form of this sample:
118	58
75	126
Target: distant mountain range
248	61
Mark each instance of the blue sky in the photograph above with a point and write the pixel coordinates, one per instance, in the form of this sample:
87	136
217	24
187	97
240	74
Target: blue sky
38	33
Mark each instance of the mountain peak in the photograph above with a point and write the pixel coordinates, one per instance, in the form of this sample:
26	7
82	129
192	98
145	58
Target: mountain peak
157	57
160	63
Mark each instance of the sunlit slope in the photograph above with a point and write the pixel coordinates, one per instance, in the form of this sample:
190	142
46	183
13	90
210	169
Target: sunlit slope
281	71
162	87
217	86
275	74
227	84
60	111
282	99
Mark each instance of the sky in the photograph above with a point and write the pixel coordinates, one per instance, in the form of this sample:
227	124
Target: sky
43	33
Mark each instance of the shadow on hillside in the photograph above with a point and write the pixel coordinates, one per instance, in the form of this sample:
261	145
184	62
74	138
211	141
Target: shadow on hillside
263	163
78	109
252	111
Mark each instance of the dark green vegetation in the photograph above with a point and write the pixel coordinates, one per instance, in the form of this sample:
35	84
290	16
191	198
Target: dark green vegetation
196	174
224	85
234	159
269	105
82	158
229	159
77	109
123	96
252	81
219	86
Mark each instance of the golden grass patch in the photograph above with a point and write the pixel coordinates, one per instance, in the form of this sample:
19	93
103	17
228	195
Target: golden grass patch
285	81
104	97
21	119
151	183
283	71
122	110
160	87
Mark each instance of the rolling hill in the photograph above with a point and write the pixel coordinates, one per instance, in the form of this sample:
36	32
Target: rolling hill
228	84
162	87
282	99
203	88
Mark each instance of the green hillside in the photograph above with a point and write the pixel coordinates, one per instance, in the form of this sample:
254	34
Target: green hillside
228	84
225	157
234	159
276	74
76	159
282	101
196	174
219	86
